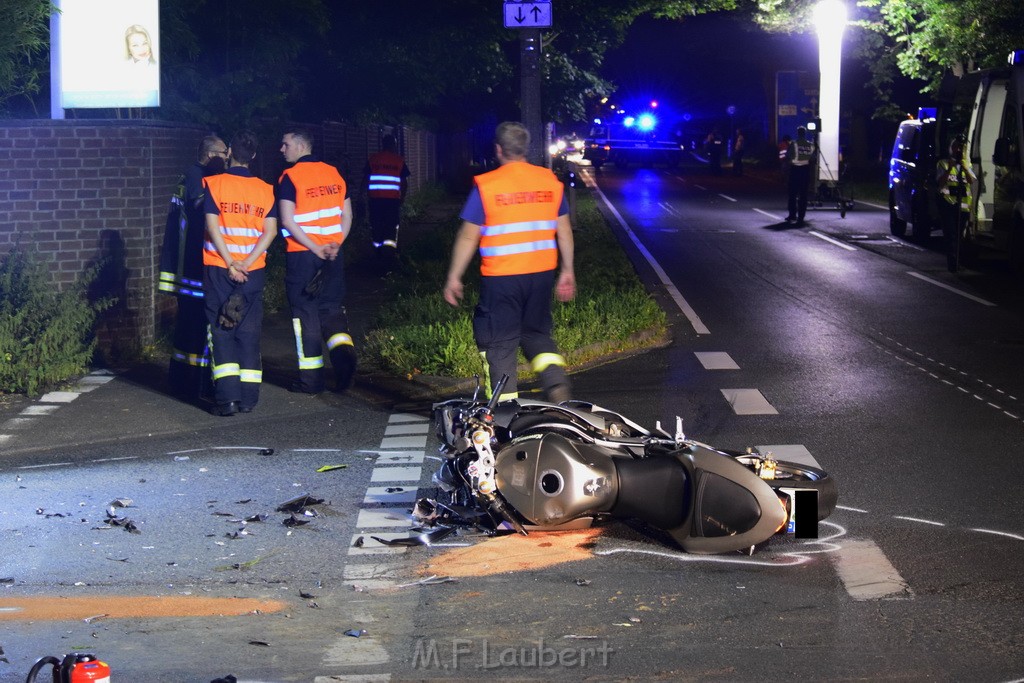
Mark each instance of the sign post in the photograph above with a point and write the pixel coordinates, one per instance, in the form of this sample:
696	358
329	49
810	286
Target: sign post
530	17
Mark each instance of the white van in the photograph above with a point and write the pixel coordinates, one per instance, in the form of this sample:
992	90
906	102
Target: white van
995	151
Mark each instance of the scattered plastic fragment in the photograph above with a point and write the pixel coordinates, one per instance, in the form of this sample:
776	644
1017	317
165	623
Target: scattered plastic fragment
225	679
267	451
260	643
583	582
394	489
358	543
2	657
180	458
7	580
93	618
419	536
331	468
306	596
573	636
299	503
292	520
355	632
121	502
260	517
432	580
243	501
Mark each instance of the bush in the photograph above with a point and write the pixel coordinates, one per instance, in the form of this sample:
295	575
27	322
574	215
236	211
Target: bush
46	336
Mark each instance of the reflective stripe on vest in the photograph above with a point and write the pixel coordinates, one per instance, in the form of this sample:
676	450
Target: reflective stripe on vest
319	201
803	150
521	204
958	183
244	203
385	175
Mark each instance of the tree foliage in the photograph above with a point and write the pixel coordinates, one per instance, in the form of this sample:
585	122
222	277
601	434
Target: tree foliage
23	48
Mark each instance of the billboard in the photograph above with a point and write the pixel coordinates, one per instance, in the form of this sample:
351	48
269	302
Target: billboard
107	53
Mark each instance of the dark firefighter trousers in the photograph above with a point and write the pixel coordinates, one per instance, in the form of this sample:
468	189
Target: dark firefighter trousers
189	371
384	219
319	320
235	353
515	311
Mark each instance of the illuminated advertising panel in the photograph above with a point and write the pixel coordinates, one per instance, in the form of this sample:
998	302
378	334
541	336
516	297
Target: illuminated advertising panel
109	53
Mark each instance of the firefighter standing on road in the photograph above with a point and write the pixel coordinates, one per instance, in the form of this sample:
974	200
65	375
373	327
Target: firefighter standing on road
386	186
181	271
518	218
316	217
955	179
799	156
241	222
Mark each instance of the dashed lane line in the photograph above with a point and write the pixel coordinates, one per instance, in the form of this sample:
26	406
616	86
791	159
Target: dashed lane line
867	573
748	402
716	360
830	240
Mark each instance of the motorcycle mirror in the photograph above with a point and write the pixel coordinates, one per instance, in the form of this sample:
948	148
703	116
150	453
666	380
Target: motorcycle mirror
476	392
496	393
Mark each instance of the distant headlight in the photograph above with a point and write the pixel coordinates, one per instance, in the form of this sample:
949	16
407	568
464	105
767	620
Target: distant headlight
553	150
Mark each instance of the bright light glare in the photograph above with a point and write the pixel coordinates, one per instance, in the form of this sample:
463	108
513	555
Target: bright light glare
646	122
654	104
560	144
553	150
830	20
628	121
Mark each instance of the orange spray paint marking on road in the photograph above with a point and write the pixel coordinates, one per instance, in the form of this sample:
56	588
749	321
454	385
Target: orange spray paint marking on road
515	553
58	608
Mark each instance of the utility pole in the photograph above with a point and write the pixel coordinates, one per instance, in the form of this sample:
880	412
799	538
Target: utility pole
529	91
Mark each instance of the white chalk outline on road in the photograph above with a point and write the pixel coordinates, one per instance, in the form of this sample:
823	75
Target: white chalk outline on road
930	281
698	325
831	240
725	196
777	219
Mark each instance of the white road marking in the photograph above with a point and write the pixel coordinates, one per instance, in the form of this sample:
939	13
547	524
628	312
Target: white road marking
873	206
777	219
849	509
407	428
832	241
408	474
406	417
382	519
39	410
400	442
797	453
725	196
19	422
666	282
929	280
867	573
390	494
748	402
401	458
354	678
59	397
716	360
4	438
349	651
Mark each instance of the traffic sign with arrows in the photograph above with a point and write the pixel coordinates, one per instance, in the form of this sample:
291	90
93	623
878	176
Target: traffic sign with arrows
527	14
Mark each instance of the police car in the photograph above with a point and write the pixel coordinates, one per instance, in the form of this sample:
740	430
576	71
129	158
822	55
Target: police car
630	140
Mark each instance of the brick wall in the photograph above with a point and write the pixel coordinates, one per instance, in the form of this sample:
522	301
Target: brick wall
80	191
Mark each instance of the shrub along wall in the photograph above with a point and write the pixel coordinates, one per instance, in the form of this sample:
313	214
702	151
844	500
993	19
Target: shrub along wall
84	191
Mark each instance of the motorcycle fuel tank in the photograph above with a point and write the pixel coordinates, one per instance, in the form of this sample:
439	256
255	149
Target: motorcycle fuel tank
551	480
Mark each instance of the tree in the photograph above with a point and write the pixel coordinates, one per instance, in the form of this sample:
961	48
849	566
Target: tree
23	48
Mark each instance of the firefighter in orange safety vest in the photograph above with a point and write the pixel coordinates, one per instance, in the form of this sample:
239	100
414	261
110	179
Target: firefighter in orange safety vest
386	182
517	217
316	216
241	223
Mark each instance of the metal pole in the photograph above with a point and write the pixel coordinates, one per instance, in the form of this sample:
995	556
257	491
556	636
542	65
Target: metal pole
529	56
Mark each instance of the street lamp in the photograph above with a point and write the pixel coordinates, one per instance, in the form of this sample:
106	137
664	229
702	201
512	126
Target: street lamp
829	20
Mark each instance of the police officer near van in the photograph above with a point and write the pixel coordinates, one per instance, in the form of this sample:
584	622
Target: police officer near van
386	181
518	219
955	180
799	156
241	223
315	212
181	271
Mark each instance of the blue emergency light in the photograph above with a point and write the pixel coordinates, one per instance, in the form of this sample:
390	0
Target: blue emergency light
1016	57
927	113
646	122
628	121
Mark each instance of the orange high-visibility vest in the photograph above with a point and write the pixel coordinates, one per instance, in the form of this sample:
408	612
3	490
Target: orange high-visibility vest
521	204
319	203
244	202
385	175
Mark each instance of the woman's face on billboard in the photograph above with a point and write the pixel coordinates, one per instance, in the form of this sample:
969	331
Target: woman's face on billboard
138	46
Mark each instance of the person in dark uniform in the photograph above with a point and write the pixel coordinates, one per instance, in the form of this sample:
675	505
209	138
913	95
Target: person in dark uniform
386	181
316	216
241	223
181	272
518	218
798	157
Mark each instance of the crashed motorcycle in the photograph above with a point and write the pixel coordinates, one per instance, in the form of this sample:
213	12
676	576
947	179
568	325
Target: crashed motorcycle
528	465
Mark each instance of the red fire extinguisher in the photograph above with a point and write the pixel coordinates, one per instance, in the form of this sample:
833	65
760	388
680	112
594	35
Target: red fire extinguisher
75	668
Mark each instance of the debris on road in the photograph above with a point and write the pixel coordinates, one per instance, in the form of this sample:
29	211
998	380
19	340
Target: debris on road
299	503
356	632
331	468
583	582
